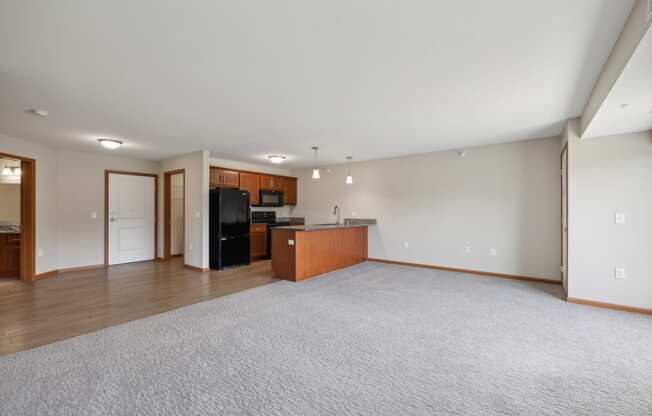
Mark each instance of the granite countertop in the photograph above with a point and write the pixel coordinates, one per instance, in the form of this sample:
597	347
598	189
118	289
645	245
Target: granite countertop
318	227
348	223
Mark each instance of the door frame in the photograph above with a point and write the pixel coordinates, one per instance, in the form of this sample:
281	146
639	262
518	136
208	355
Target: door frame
167	211
106	209
27	216
563	180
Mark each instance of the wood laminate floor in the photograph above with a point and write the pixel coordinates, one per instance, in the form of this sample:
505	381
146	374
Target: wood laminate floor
76	303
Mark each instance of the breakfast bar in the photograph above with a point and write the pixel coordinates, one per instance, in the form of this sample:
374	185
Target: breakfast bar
300	252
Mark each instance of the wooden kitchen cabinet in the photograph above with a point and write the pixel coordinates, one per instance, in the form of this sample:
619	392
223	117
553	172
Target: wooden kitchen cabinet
258	241
224	178
10	255
251	182
271	183
289	191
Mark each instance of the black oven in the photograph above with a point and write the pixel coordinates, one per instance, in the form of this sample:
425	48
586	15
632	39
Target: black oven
271	199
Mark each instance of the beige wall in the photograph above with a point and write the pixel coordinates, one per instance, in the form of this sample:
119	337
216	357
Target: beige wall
609	175
10	202
46	197
69	189
80	193
504	196
196	167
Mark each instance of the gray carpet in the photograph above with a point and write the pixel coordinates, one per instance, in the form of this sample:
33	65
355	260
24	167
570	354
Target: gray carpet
373	339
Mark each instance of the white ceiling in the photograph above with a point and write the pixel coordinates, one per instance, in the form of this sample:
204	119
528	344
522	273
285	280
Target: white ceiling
371	78
634	89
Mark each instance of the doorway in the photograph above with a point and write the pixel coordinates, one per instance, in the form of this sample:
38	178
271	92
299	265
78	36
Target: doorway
18	217
174	213
564	219
130	217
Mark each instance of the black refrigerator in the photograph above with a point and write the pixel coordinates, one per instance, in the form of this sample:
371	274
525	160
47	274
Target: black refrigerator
229	228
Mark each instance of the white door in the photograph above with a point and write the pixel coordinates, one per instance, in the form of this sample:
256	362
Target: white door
131	218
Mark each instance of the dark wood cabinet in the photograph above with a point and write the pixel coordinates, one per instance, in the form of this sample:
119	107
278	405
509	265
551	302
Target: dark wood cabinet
251	182
224	178
258	241
289	191
10	255
271	183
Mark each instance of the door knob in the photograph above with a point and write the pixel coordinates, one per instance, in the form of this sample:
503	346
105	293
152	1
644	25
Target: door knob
113	219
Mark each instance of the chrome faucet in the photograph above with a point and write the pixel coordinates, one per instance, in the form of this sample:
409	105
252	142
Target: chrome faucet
336	210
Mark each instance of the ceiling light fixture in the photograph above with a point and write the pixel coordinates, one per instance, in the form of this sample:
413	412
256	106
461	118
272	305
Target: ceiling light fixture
315	171
38	112
276	158
110	143
349	178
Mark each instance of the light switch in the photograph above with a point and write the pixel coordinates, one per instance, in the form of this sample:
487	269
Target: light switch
492	251
620	217
290	242
93	215
197	215
467	250
619	273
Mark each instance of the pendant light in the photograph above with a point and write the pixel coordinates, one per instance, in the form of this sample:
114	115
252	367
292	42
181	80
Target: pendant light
315	171
349	178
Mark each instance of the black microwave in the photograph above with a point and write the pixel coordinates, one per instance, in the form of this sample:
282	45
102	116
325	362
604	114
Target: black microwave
270	198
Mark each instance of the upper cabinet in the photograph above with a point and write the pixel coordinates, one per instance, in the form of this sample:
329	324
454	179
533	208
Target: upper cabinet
289	191
254	182
271	183
224	178
251	182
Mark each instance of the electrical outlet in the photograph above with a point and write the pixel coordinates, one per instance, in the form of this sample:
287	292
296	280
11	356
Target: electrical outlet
620	218
290	242
467	250
406	244
619	273
492	251
354	214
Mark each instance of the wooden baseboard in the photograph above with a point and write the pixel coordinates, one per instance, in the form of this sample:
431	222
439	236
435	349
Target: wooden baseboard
197	269
46	275
613	306
81	268
55	272
476	272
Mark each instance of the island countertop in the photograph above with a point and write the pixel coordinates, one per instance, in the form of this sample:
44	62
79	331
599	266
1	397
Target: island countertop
300	252
317	227
348	223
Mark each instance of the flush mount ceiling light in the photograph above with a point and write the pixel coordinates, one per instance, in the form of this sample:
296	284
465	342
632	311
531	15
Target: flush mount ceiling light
315	171
110	143
276	158
349	178
11	170
37	112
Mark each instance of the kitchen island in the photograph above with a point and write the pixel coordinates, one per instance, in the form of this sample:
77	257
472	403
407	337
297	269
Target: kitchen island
300	252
